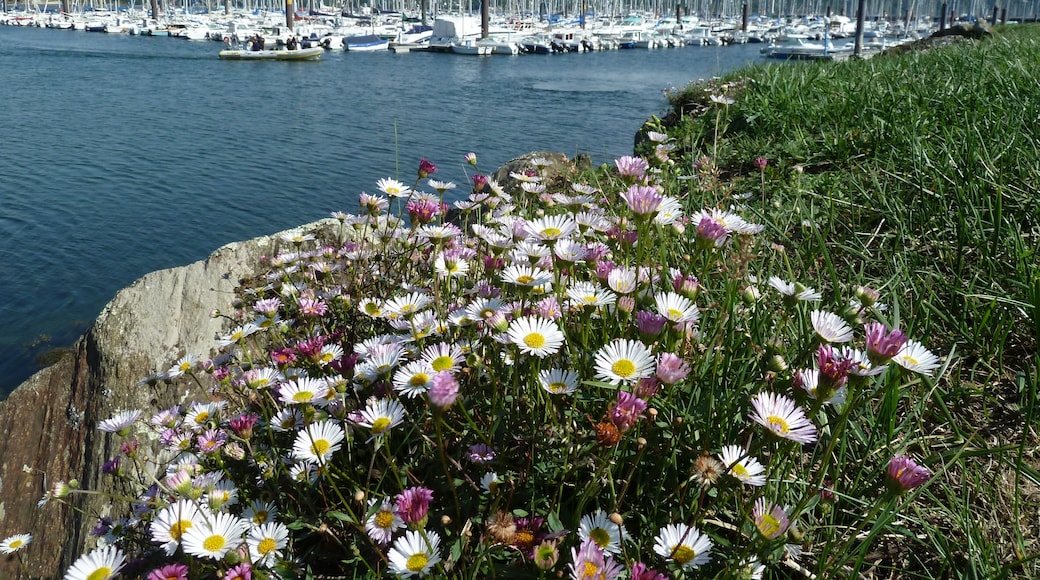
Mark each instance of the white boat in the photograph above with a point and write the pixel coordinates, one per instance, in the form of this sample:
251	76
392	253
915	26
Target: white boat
299	54
802	49
471	47
365	43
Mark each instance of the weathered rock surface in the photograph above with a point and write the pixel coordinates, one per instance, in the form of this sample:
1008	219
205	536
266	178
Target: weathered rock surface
49	423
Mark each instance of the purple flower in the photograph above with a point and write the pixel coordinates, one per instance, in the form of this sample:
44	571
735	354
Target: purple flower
761	163
590	561
687	285
641	572
630	168
882	345
480	453
671	368
243	424
422	211
111	466
711	232
444	389
480	182
643	200
169	572
413	505
241	572
310	348
627	411
650	324
834	372
426	169
211	441
905	474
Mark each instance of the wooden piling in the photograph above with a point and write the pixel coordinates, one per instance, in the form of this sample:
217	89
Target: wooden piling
745	12
289	14
942	17
860	10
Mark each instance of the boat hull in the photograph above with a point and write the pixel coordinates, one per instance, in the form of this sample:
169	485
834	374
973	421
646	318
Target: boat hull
301	54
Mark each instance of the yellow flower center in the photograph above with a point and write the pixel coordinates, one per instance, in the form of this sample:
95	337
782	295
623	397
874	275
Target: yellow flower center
624	368
768	525
739	470
372	309
589	299
558	387
778	424
683	554
419	379
525	279
379	425
524	537
535	340
266	546
600	536
214	543
674	314
15	544
551	232
202	417
177	530
302	396
260	517
320	447
100	574
416	562
442	363
384	519
590	571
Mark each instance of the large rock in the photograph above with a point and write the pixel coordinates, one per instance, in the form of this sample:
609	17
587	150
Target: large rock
48	425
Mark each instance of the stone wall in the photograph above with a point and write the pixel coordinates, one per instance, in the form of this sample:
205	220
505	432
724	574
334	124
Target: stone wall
48	424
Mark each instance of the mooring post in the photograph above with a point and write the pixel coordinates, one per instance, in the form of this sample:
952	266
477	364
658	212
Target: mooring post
745	12
289	14
484	14
1003	15
942	17
993	19
860	9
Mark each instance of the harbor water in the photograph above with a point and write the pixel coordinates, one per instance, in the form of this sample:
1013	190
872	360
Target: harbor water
121	154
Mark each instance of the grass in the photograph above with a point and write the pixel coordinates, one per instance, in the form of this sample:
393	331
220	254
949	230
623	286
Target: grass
918	172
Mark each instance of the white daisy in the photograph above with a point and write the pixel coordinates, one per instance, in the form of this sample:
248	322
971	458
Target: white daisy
830	327
684	545
536	336
382	521
489	482
120	423
318	442
584	294
605	533
238	334
623	361
443	357
101	564
783	417
380	416
393	187
287	420
916	358
526	276
415	553
553	227
622	280
14	543
742	466
215	535
259	512
413	379
794	290
266	542
304	390
676	308
183	365
558	381
407	305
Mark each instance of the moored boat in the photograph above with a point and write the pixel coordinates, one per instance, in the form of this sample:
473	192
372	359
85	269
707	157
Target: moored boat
299	54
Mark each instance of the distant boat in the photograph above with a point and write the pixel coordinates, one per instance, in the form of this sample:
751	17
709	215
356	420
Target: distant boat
468	46
365	43
802	49
300	54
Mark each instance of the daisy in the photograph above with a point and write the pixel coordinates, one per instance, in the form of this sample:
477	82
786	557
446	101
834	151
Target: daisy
215	536
318	441
380	415
184	365
916	358
14	543
447	266
443	357
238	334
382	522
259	512
415	553
589	562
558	381
120	423
287	420
730	222
200	415
684	545
794	291
622	280
526	276
265	543
413	379
830	327
742	466
489	482
371	308
569	251
440	186
669	211
780	415
393	188
584	294
261	378
552	227
676	308
101	564
905	474
303	390
809	380
604	533
407	305
536	336
770	519
623	361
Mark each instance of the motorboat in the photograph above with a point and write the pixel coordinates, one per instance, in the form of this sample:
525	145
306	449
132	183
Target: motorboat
298	54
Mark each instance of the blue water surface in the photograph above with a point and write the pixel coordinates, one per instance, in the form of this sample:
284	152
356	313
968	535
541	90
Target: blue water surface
120	155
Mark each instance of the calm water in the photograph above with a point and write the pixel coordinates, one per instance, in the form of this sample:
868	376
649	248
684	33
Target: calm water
120	155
